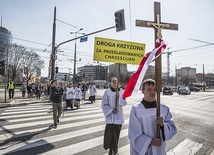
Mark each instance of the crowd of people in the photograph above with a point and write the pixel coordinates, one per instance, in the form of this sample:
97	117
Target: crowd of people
35	89
142	122
76	91
71	94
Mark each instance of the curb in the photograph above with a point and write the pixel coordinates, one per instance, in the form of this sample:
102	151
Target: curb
5	105
21	102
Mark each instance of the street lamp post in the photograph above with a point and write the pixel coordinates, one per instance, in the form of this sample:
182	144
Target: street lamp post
75	53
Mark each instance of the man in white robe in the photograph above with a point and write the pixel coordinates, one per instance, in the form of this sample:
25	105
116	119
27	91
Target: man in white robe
92	92
69	96
114	118
143	123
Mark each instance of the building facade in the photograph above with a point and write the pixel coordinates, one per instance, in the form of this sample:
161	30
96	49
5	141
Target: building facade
186	71
6	38
113	68
91	73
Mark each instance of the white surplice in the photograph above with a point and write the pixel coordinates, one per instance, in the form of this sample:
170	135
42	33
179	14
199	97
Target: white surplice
69	93
142	128
108	105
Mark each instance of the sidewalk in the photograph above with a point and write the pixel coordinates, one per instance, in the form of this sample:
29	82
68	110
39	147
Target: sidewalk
19	100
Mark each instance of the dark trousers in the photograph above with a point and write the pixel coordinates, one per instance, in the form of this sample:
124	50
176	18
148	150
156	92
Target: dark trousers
92	98
57	111
11	93
69	103
38	94
23	93
111	136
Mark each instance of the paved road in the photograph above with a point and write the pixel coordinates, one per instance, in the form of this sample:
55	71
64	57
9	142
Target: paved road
25	129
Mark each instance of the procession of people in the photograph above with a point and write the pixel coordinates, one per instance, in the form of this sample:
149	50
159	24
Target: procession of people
141	127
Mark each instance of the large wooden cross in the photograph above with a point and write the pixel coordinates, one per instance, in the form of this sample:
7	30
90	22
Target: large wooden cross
158	26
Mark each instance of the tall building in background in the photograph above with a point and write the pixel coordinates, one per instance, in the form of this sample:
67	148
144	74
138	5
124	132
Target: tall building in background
113	69
91	73
6	38
186	71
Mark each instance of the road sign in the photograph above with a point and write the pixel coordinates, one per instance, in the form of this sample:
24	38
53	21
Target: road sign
118	51
84	39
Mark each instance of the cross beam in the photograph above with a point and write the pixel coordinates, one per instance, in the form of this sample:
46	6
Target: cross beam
158	26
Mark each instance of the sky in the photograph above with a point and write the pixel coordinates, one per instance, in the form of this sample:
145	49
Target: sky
31	24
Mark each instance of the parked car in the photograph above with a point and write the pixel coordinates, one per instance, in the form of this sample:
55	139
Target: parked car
167	90
195	89
184	91
175	89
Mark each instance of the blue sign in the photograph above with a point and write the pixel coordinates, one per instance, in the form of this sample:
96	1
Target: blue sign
84	39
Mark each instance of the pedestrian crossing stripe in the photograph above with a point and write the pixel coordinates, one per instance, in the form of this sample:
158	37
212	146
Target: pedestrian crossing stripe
38	130
187	146
78	147
48	116
60	137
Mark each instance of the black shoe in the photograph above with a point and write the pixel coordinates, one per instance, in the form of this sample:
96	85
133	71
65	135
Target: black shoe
110	152
55	126
115	152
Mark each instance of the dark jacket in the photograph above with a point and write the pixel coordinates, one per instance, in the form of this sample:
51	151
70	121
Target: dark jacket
56	94
84	88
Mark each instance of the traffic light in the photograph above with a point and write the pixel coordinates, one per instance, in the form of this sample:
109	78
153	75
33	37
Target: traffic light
119	20
57	70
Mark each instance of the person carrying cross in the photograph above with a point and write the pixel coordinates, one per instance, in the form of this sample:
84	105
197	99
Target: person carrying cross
142	124
114	117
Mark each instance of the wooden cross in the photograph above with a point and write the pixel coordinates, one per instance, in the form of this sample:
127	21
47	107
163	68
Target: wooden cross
158	26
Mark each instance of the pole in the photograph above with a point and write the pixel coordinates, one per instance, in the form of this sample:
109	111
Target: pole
53	56
176	77
6	74
168	65
203	79
118	81
75	55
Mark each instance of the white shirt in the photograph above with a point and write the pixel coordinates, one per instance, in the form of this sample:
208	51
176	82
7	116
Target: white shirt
142	128
108	105
92	90
69	93
77	93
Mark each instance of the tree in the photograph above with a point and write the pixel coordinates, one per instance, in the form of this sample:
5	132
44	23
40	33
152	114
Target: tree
186	80
19	58
15	60
32	61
